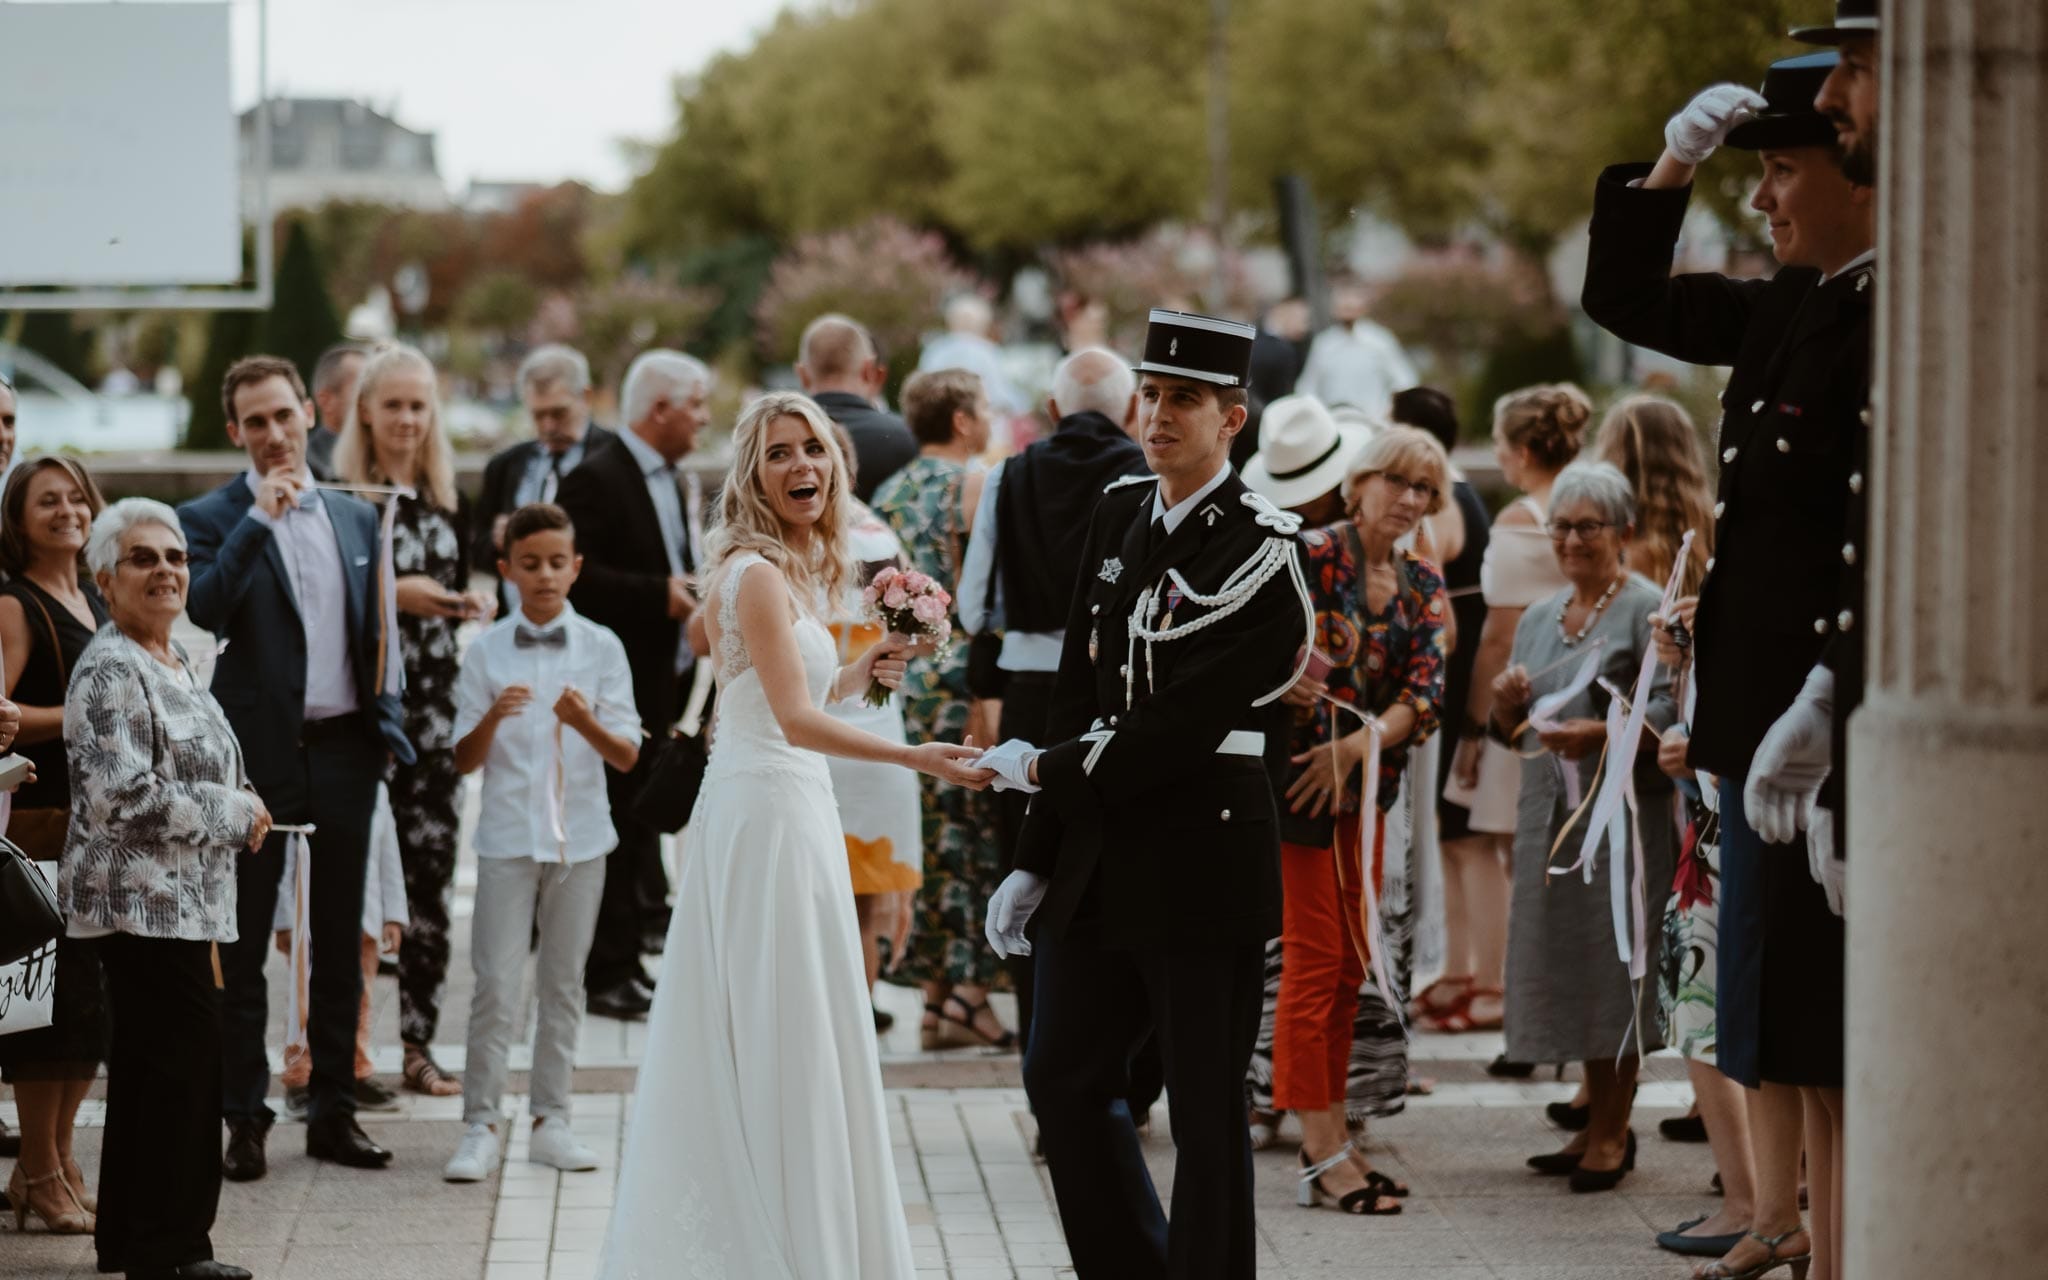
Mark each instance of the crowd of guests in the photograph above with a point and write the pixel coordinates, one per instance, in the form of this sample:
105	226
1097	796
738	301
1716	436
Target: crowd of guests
298	787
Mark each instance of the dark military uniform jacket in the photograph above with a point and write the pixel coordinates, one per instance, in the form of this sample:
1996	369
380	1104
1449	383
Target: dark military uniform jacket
1790	434
1162	838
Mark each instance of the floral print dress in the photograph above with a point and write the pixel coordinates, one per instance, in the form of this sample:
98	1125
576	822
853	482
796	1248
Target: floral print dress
425	794
962	862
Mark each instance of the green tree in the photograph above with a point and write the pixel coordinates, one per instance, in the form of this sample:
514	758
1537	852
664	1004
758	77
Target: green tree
1088	123
230	335
300	323
497	301
55	336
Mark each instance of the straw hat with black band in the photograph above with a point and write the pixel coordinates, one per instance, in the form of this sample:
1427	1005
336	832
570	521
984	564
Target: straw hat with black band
1303	451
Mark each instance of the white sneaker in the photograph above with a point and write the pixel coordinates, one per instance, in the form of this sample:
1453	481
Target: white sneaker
476	1158
554	1143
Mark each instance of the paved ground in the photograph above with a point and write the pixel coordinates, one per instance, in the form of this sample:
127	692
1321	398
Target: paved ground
979	1207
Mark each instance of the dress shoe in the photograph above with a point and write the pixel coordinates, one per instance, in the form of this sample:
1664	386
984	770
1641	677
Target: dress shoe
1683	1128
372	1096
244	1160
883	1021
206	1270
625	1001
342	1140
298	1101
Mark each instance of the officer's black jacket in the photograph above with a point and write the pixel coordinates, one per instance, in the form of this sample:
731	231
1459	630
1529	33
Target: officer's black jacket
1165	840
1800	352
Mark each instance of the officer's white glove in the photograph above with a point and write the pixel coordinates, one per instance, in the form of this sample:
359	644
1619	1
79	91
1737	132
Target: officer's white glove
1009	910
1792	762
1694	133
1828	871
1012	763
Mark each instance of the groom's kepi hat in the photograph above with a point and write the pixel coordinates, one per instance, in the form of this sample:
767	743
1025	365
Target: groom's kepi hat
1852	18
1180	344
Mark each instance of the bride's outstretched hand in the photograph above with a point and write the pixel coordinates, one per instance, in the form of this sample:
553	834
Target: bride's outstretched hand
950	763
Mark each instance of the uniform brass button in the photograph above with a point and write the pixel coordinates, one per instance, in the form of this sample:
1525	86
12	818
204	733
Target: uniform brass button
1848	553
1112	722
1095	608
1845	619
1865	415
1820	626
1784	445
1758	407
1710	564
1719	507
1226	815
1856	482
1124	670
1728	454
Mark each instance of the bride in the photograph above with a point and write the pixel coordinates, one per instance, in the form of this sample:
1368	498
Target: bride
759	1146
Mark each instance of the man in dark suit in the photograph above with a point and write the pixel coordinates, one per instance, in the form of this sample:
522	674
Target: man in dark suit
638	528
554	385
1148	866
285	577
335	376
839	368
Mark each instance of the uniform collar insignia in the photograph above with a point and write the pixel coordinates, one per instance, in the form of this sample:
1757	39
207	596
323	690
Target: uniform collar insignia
1210	515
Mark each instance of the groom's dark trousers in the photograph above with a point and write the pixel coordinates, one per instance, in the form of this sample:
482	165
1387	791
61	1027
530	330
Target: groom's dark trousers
1097	1004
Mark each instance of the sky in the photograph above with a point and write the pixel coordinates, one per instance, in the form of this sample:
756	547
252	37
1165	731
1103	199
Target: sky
514	90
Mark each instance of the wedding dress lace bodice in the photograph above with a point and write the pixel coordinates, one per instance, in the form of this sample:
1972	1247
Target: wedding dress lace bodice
747	736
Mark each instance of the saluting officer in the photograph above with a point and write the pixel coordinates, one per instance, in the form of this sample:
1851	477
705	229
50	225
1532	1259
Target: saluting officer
1799	344
1148	865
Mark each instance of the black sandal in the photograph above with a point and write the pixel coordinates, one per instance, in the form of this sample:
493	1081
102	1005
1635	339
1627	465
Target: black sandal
1006	1041
1386	1186
1367	1201
933	1036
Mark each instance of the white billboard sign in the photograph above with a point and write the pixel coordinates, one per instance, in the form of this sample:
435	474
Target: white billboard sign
117	146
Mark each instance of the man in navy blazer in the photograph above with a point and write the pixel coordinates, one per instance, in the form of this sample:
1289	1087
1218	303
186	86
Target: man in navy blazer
285	577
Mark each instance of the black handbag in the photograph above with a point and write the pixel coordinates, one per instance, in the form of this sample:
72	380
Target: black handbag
676	774
28	905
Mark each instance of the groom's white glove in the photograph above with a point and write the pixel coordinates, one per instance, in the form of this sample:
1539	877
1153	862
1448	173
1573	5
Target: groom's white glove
1792	762
1696	132
1012	763
1010	910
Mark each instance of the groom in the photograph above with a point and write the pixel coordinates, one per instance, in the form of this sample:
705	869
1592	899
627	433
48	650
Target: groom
1148	866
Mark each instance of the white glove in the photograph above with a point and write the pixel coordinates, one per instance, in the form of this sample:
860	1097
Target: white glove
1012	763
1792	762
1828	871
1009	910
1694	133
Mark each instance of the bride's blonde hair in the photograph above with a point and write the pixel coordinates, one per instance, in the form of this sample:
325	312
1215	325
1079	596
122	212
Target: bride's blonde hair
747	519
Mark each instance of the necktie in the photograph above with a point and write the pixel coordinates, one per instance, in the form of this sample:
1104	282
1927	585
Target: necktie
551	483
525	637
1157	537
686	553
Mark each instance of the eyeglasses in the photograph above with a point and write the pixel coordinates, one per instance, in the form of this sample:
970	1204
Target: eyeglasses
1560	530
1402	484
148	558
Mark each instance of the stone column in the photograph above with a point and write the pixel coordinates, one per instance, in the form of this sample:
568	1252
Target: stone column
1948	873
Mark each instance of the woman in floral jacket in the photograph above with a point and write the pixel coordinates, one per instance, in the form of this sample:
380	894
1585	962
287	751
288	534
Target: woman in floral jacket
161	808
1380	614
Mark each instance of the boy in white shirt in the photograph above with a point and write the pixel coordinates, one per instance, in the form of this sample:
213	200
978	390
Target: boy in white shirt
544	703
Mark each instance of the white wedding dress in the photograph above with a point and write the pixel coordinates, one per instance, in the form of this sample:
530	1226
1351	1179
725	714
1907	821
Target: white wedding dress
758	1147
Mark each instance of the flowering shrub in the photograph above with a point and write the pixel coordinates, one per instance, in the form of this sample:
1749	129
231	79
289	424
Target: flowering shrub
891	278
1169	267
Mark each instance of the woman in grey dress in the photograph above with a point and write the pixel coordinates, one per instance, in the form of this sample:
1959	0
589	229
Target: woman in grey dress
1569	995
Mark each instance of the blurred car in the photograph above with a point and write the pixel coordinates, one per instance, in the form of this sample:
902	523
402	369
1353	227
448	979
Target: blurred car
59	414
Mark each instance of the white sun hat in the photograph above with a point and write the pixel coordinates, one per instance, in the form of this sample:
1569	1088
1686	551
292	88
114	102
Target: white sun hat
1303	451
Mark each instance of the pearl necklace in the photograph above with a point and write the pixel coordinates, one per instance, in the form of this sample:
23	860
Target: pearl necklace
1571	641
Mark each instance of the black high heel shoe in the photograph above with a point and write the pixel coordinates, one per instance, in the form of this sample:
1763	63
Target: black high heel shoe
1568	1116
1584	1179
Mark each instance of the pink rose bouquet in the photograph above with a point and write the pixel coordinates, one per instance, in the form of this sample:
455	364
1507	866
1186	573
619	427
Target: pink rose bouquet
908	603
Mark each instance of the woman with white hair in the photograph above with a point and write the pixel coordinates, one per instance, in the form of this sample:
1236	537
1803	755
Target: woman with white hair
161	809
759	1144
394	437
1569	996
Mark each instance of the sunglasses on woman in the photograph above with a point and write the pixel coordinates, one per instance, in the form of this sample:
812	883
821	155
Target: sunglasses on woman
148	558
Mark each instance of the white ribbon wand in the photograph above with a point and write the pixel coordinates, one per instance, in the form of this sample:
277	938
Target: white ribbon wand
1368	822
299	852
